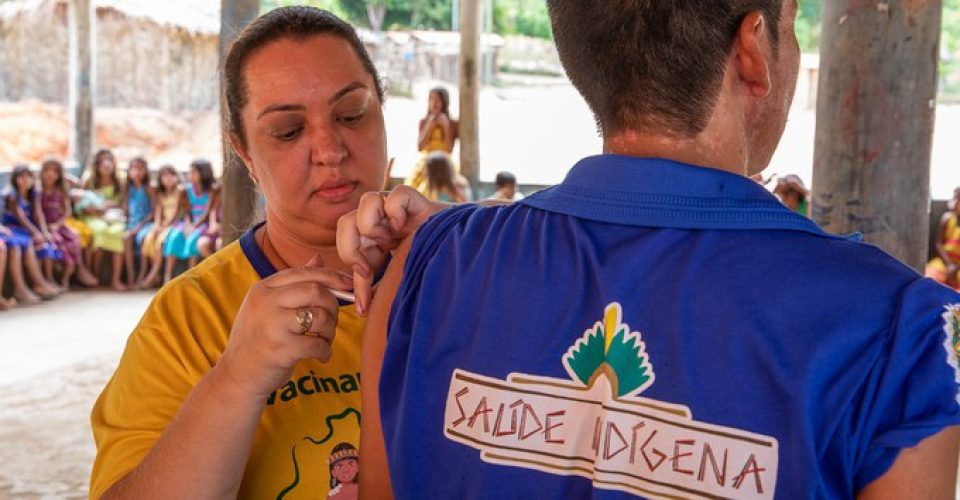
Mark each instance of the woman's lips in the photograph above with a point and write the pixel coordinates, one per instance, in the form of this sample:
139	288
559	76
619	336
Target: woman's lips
336	192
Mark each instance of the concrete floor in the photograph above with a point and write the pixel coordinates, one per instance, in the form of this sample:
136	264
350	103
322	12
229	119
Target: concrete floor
55	358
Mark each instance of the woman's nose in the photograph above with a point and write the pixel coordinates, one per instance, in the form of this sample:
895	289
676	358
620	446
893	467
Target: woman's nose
327	147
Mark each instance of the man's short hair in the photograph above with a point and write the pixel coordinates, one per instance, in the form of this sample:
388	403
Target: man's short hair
652	65
505	179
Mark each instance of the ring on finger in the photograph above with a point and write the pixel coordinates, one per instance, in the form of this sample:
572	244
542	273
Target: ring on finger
305	320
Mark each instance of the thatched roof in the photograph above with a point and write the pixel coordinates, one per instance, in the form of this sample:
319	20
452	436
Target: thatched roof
197	16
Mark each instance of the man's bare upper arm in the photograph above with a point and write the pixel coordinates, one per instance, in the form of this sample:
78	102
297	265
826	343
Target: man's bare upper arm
928	470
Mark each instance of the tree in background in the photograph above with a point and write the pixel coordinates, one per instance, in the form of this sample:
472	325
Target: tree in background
808	25
521	17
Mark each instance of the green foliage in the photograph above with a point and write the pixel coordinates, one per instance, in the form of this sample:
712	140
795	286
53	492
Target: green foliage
331	5
808	25
951	28
521	17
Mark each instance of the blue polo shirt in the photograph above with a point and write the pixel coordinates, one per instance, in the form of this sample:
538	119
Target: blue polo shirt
654	329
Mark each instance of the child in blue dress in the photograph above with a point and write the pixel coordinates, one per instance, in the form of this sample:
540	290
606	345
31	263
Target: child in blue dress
138	203
198	199
21	220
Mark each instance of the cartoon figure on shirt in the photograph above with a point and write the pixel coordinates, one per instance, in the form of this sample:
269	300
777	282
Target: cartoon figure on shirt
344	472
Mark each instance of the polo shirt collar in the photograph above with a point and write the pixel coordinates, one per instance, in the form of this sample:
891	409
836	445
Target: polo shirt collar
652	192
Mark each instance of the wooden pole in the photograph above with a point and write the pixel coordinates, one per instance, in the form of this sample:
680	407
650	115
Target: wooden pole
82	78
239	194
469	91
875	114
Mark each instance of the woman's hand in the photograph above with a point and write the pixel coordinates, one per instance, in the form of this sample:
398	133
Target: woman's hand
379	224
268	339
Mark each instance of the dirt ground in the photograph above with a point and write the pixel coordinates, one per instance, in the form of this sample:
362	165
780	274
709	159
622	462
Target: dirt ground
55	358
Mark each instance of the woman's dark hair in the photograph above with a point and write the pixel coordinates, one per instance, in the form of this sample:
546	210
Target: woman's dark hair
96	180
56	164
295	22
444	96
167	169
205	169
439	172
146	182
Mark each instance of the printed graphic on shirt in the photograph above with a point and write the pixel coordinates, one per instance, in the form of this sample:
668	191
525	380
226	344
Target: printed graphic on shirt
951	341
343	460
598	426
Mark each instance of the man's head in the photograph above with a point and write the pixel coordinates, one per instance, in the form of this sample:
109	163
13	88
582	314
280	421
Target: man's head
658	67
506	182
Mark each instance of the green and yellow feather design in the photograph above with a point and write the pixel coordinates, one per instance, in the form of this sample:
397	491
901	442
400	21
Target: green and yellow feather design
609	348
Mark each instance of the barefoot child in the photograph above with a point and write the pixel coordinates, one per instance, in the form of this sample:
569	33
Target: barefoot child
166	213
55	206
138	203
20	217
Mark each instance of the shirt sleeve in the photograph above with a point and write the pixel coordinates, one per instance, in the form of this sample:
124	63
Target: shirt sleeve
162	362
916	391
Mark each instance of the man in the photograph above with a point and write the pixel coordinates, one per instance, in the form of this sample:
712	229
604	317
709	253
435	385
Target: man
658	325
505	186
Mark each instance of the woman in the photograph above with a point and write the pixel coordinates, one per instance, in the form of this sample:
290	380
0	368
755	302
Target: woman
438	132
247	395
441	183
945	267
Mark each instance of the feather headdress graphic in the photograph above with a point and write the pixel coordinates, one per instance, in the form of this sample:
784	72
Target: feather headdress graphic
611	349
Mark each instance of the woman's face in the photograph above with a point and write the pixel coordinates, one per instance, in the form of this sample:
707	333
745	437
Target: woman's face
49	175
345	471
314	130
436	104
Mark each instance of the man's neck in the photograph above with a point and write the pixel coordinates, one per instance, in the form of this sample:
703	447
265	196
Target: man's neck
710	150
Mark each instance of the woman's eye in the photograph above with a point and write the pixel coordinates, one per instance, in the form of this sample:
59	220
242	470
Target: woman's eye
288	134
351	119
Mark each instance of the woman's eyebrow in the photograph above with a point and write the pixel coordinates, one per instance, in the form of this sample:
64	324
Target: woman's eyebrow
346	90
276	108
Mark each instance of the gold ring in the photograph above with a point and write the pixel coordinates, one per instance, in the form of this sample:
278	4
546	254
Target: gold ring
305	319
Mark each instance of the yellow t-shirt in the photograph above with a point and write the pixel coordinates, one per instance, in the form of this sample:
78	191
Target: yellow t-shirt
180	338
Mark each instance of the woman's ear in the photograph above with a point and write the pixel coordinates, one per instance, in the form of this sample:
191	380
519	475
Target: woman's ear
241	150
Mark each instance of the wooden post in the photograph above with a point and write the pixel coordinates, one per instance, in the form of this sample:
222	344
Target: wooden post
239	194
875	113
469	91
82	78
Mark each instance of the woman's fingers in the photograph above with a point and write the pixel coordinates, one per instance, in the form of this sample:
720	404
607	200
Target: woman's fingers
325	277
317	322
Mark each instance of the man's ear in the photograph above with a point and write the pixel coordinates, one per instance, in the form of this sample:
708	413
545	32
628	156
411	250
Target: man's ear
751	50
244	155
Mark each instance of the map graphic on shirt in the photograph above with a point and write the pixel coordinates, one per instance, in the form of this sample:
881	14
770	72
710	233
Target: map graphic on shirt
598	425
